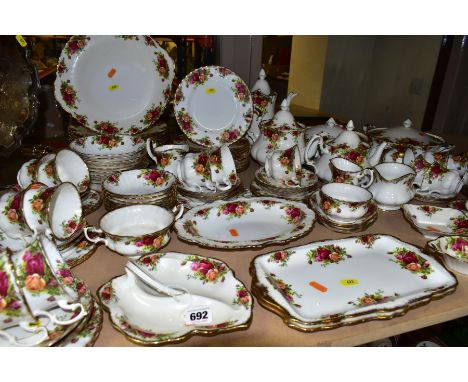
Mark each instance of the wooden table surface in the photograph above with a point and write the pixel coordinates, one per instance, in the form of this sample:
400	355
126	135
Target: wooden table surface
267	329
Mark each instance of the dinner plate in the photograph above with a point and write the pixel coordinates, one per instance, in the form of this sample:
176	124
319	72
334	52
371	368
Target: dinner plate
331	281
245	223
213	106
114	84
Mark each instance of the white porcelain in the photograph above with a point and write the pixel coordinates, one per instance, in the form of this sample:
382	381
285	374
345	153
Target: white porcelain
454	250
393	185
14	244
262	84
69	167
166	157
327	282
284	165
280	133
114	145
456	162
307	181
26	173
12	221
348	145
207	89
45	171
329	130
65	212
114	84
135	230
245	222
344	201
195	172
35	206
433	221
139	182
223	168
345	171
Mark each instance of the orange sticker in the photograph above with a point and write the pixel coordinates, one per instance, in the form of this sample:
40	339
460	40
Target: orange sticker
112	72
233	232
319	287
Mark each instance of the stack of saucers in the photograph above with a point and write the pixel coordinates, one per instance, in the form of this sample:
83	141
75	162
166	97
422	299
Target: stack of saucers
344	207
143	186
263	185
108	154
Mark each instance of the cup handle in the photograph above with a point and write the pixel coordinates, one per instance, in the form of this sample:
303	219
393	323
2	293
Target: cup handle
369	172
178	211
63	304
149	149
224	188
95	239
25	326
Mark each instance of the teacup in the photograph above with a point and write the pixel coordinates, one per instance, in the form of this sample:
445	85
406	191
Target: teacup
194	171
13	309
345	171
166	157
35	206
45	280
69	167
135	230
223	168
26	173
344	201
12	221
284	165
45	171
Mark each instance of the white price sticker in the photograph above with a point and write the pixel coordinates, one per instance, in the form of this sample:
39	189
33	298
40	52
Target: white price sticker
200	316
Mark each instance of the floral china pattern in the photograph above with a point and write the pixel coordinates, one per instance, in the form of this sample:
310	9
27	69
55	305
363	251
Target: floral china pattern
229	135
189	227
201	165
234	209
327	254
107	141
458	205
367	240
280	257
148	243
293	215
215	161
242	296
460	225
459	245
39	201
35	275
260	102
356	155
75	44
284	289
430	171
152	177
377	297
273	136
429	210
69	226
206	270
107	294
240	90
153	114
84	184
13	211
150	261
10	302
161	65
69	94
411	261
199	77
61	67
106	127
185	122
286	161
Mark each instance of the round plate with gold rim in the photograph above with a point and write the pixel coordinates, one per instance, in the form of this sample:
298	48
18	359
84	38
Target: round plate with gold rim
114	84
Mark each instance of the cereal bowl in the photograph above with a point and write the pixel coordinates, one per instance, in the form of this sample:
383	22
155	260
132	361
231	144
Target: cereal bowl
344	201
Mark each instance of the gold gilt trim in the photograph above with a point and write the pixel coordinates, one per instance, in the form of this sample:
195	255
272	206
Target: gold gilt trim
261	294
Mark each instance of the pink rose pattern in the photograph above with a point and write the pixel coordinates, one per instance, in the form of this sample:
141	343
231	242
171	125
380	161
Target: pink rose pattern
107	293
14	212
153	177
146	244
411	261
367	240
198	77
106	127
241	92
161	65
185	122
75	44
234	209
284	289
293	215
429	210
150	261
153	114
459	245
460	225
281	257
10	302
206	270
260	102
373	299
243	297
70	226
107	141
62	67
69	94
327	254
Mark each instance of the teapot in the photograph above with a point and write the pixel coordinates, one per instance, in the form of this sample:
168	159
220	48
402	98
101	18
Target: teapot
281	133
348	145
330	128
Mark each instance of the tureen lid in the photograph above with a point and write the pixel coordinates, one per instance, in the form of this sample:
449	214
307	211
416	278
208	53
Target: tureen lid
262	84
349	136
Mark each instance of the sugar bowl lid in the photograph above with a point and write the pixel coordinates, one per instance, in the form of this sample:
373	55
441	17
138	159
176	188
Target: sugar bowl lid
262	84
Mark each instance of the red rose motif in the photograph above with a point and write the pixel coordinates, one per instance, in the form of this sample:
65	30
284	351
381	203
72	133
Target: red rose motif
34	263
3	284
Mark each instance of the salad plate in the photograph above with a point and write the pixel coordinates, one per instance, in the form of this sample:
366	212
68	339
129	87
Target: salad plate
434	221
332	283
147	316
245	223
114	84
213	88
453	250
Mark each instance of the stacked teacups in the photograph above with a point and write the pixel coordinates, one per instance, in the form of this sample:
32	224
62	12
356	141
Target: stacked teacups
53	169
344	207
108	154
135	230
283	176
143	186
34	282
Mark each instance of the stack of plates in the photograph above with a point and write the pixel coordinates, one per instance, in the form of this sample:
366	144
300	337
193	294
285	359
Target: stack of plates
191	198
263	185
108	154
343	226
144	186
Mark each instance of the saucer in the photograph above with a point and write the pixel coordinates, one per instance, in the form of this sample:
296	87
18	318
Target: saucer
80	251
91	202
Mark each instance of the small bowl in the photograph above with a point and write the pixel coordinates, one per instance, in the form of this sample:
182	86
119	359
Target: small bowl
344	201
69	167
454	250
135	230
139	182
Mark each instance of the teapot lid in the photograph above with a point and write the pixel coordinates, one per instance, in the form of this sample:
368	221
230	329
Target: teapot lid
284	116
262	84
349	136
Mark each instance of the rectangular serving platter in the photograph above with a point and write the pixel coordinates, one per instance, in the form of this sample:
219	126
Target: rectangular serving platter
328	284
